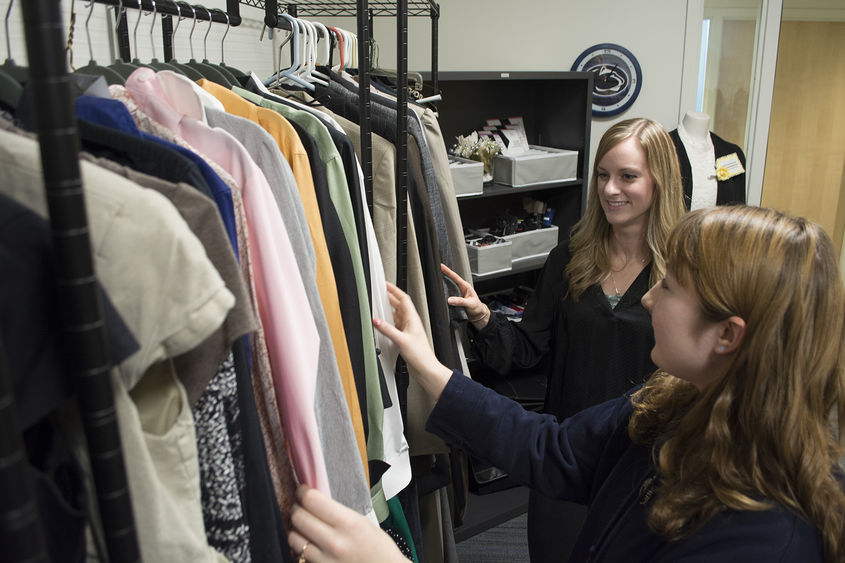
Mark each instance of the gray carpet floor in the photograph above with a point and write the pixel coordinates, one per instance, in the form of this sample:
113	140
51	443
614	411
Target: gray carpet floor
505	543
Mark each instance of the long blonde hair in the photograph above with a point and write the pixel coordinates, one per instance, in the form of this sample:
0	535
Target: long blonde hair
590	236
766	429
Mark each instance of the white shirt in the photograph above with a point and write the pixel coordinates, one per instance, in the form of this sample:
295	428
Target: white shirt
702	159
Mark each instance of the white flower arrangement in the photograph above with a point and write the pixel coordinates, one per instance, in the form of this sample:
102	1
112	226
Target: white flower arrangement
475	148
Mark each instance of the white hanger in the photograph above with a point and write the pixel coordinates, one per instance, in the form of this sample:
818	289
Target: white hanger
320	29
302	40
351	45
305	49
313	37
324	32
290	73
355	50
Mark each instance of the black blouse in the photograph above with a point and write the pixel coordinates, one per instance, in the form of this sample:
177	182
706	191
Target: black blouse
596	352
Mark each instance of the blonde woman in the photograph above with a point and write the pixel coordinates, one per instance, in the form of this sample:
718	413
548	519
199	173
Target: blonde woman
728	453
585	323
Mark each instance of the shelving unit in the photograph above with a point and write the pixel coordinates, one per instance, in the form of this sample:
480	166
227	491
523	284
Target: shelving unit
556	110
493	189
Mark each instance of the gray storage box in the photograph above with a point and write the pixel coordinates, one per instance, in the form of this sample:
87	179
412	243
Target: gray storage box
489	259
532	244
543	165
467	175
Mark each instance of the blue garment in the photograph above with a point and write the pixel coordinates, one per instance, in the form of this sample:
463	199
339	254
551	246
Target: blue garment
589	458
113	114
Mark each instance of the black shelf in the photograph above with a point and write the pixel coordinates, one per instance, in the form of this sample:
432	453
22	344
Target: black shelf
486	511
493	189
556	108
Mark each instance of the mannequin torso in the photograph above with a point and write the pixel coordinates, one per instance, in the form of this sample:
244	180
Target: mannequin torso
695	136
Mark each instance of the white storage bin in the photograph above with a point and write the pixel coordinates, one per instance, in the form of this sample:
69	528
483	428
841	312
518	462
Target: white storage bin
467	175
542	165
489	259
532	244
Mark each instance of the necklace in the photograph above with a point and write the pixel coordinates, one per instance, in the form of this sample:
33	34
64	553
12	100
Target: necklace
613	281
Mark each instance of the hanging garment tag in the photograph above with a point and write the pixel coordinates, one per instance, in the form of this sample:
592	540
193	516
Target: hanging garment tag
728	167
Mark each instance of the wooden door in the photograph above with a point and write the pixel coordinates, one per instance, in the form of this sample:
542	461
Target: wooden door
805	162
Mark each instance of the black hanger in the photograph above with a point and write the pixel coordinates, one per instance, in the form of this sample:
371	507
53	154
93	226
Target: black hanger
121	67
239	77
216	72
154	62
204	70
19	74
227	71
186	70
92	68
135	60
10	91
158	65
315	101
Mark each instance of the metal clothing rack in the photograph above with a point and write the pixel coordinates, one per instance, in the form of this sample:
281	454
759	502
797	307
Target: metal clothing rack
81	308
167	9
340	8
364	11
79	299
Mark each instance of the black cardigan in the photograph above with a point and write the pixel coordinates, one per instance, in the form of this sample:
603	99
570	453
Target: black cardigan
594	352
728	191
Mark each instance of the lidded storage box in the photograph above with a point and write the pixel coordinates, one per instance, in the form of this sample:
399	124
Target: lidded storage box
541	165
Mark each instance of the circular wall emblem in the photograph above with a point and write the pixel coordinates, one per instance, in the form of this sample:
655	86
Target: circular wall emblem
617	77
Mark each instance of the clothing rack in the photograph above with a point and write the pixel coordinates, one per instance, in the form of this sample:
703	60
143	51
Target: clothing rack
341	8
81	313
79	299
364	11
350	8
167	9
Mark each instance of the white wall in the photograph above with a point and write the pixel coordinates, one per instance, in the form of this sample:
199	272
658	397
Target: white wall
545	35
242	47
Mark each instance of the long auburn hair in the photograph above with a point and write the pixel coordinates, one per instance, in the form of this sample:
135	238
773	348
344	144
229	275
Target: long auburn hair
590	236
770	428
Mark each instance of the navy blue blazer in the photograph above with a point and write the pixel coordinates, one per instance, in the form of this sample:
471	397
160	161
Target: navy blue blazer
589	458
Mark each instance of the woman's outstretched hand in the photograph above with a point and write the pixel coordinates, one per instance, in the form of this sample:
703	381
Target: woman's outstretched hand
409	336
477	312
330	532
